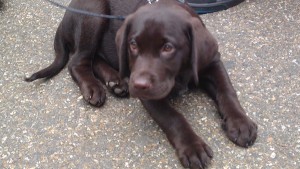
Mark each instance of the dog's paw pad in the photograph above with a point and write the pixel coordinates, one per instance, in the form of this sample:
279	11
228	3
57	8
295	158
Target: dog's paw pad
112	84
119	89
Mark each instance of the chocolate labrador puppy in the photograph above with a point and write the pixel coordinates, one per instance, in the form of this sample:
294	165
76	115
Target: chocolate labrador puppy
163	48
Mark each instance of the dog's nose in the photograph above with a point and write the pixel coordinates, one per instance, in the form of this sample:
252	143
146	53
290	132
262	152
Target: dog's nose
142	83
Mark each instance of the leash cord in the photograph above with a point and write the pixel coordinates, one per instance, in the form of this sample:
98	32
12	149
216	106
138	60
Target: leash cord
117	17
86	12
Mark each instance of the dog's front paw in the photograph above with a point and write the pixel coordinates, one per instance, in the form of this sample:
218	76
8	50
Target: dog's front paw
197	155
93	94
118	87
240	130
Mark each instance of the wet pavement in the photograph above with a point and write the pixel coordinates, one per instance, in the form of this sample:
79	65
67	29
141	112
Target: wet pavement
48	124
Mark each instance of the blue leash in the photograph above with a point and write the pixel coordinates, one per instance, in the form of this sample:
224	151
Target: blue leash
86	12
199	8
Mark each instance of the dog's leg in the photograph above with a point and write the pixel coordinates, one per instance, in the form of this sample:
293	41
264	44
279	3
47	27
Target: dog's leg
81	71
238	126
192	151
110	77
88	37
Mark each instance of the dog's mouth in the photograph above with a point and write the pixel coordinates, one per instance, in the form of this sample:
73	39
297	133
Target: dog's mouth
155	92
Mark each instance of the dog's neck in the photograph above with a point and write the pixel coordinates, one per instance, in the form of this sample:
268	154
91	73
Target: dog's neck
153	1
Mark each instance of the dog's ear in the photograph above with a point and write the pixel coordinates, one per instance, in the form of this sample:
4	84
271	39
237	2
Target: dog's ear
122	48
203	46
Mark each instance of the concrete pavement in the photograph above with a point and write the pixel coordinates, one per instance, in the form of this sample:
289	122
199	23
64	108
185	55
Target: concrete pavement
48	125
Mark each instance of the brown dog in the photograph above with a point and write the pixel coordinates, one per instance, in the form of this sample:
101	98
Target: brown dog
163	48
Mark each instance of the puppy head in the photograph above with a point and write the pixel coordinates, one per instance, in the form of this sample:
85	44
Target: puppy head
154	44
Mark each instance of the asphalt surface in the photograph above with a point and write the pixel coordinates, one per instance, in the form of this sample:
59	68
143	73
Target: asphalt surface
48	124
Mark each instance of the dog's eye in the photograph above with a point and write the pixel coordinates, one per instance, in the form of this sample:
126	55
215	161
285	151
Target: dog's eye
167	47
133	45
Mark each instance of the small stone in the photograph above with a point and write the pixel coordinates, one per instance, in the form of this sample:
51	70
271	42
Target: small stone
4	139
270	140
273	155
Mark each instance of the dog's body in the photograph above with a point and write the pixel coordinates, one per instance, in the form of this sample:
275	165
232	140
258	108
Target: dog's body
162	48
1	5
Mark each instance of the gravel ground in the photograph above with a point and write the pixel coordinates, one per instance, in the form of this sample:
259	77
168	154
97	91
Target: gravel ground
48	125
